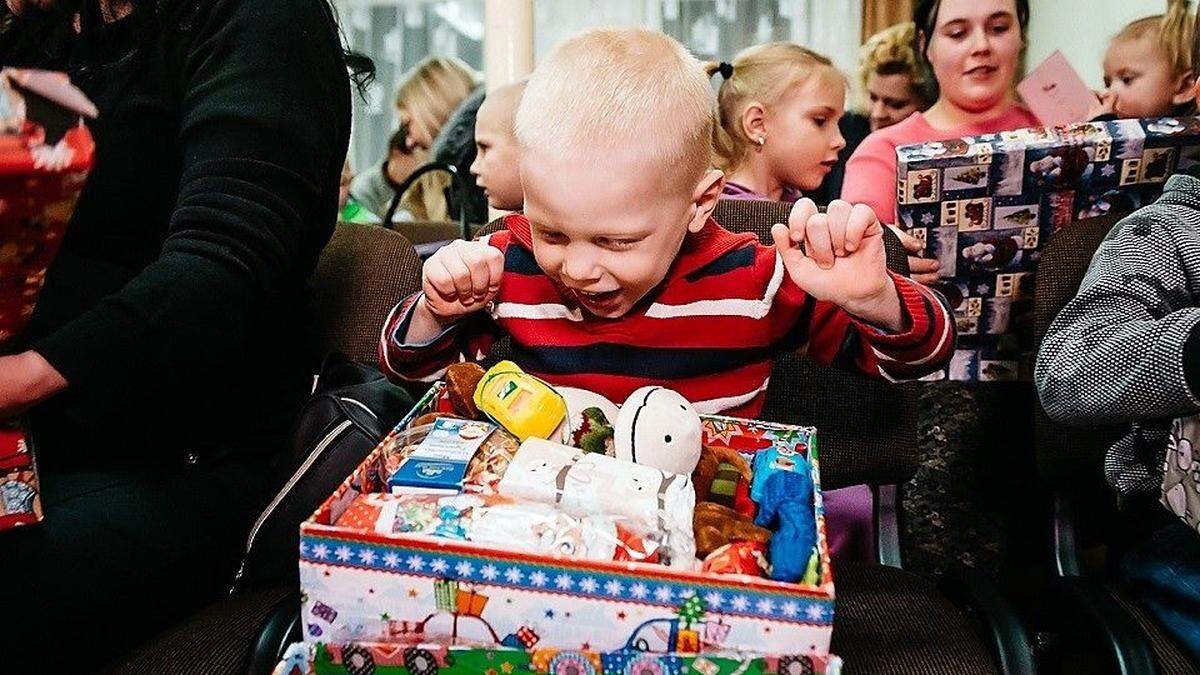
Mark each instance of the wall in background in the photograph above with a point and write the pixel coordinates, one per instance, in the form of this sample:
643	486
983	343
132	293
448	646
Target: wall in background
1081	29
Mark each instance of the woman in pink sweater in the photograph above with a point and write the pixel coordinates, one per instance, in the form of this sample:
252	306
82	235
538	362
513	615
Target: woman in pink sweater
973	47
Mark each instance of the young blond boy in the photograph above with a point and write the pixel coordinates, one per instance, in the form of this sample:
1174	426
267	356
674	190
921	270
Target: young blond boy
497	155
616	276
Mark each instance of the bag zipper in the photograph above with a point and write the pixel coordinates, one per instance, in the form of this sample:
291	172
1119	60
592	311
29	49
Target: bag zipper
360	404
287	487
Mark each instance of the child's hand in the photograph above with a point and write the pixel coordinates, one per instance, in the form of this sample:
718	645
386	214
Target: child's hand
1105	104
842	260
461	278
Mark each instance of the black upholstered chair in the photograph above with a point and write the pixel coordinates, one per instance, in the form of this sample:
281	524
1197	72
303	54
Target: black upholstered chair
362	273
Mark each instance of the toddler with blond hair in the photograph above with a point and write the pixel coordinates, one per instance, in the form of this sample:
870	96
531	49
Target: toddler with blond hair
1148	69
616	276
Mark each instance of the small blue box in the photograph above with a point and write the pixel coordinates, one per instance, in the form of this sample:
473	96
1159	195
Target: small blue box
439	463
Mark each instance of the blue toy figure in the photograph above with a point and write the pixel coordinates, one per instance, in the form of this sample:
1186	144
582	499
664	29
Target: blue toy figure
786	508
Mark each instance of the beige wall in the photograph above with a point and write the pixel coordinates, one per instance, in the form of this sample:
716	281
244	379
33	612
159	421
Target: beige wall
1081	29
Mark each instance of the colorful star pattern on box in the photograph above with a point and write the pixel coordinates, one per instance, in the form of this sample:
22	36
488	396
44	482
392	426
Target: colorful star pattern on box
589	583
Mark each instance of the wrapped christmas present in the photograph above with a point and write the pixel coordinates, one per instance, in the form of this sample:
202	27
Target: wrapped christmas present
45	155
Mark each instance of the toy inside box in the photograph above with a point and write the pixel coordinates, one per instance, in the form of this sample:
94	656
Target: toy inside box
45	156
559	559
986	205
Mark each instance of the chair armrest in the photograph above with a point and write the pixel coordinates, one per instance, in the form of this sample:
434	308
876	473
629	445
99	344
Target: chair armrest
280	629
888	512
1127	642
1002	631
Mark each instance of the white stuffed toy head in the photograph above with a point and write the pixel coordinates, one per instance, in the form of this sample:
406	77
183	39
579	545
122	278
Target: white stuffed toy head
659	428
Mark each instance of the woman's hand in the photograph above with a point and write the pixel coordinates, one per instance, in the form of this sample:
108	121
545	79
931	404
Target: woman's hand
26	379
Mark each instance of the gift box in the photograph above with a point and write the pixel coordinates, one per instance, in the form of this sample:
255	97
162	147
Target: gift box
19	504
986	205
430	604
45	156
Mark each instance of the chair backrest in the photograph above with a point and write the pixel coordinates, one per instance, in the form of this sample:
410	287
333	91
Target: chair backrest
362	273
866	429
1062	451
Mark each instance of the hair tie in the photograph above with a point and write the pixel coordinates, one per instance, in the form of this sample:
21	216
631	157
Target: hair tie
725	69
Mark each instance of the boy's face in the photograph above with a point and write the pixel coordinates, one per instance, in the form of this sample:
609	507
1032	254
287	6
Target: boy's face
1138	75
608	229
497	159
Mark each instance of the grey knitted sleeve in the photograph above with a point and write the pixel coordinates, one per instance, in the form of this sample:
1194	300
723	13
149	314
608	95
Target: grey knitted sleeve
1115	352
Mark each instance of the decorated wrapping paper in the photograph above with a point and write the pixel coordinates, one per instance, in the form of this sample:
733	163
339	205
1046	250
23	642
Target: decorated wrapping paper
362	588
985	206
1181	471
337	659
45	156
19	504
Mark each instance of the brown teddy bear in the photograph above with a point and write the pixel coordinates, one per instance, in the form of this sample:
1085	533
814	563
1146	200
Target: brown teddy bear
715	525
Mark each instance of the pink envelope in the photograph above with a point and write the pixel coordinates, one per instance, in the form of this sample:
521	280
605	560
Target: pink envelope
1055	93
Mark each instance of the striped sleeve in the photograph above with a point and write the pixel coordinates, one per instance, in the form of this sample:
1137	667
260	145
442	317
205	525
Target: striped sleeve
924	346
927	344
469	339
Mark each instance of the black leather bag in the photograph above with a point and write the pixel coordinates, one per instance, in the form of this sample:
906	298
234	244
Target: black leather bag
352	408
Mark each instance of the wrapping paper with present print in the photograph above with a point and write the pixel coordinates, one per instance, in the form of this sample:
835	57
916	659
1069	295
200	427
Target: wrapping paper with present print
986	205
321	659
19	503
40	182
364	587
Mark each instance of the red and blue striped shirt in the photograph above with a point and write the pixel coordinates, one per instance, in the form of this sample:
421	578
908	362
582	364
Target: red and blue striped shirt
709	331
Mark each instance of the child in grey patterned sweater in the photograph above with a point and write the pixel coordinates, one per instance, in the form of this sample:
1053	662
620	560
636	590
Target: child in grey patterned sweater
1127	348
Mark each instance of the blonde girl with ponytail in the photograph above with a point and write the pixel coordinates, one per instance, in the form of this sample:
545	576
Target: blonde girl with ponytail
776	133
1148	68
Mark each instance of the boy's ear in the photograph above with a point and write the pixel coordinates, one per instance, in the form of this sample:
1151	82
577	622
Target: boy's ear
1185	89
708	191
753	120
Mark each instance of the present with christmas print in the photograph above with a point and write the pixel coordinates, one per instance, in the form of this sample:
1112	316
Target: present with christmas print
45	155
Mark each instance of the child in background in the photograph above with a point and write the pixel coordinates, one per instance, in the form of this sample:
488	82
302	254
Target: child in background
777	133
497	159
373	190
1127	349
616	277
1148	68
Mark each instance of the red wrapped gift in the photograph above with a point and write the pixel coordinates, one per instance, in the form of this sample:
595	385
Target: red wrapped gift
19	503
45	155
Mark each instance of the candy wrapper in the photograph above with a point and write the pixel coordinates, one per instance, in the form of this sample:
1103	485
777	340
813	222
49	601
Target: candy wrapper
502	521
45	156
586	483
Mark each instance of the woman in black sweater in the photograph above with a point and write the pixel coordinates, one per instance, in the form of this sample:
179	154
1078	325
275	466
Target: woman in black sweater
165	361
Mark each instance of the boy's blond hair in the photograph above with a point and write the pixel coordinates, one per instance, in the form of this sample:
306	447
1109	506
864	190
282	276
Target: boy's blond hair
760	73
890	52
620	88
1175	31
